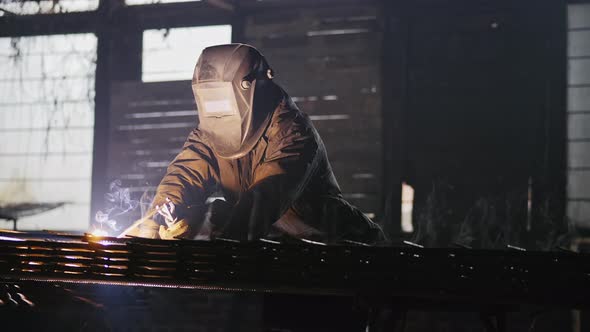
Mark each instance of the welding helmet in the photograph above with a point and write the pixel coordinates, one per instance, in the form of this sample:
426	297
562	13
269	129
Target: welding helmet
235	98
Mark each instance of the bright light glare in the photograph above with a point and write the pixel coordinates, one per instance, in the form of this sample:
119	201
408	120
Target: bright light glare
407	208
172	54
100	232
30	7
151	2
47	126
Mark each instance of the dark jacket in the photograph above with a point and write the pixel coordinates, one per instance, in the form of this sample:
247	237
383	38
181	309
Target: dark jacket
285	185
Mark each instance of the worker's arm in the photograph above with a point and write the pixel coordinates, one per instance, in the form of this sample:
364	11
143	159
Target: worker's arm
181	194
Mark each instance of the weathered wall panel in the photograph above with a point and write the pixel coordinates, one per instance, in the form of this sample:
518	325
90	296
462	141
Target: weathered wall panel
328	60
578	117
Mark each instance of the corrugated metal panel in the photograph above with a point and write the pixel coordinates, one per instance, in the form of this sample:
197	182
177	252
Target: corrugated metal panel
578	43
578	71
578	156
578	186
578	99
578	190
578	16
579	213
578	126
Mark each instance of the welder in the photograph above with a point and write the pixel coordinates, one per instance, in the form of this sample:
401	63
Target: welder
257	151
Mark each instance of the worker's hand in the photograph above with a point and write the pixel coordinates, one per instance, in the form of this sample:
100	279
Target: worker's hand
167	211
178	230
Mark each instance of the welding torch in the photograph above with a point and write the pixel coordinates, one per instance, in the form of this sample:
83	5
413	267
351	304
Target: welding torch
138	222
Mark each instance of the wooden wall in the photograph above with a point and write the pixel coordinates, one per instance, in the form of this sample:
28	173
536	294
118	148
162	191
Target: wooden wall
149	124
328	60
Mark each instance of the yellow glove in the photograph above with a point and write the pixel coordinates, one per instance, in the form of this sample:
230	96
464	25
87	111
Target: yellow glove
146	228
175	231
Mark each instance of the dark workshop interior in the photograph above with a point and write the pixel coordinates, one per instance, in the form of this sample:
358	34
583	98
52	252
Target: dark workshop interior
460	127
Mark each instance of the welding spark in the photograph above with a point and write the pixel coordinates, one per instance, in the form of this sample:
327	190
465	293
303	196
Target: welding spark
11	299
25	300
7	238
100	232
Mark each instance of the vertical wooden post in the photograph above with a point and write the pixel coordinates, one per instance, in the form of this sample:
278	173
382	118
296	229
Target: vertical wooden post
393	94
101	107
549	184
119	58
238	24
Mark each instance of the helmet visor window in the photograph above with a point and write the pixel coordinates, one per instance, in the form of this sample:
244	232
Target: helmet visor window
216	99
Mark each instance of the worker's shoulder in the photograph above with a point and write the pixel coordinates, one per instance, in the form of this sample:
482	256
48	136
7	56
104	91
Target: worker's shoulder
288	118
197	143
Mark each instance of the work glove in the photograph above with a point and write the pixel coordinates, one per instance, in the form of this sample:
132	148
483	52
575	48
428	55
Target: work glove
167	211
174	228
178	230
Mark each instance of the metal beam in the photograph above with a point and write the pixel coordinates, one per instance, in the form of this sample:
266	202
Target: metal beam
102	100
173	15
156	16
250	5
222	4
47	24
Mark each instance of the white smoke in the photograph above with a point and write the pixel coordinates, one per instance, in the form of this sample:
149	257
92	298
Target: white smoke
118	203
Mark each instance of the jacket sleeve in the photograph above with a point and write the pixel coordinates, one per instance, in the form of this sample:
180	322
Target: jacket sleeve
288	163
187	179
